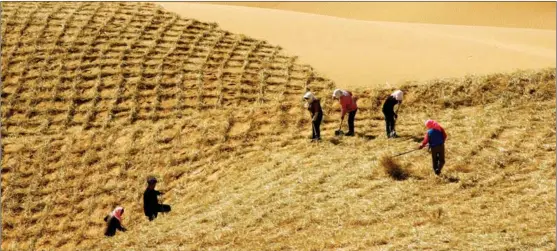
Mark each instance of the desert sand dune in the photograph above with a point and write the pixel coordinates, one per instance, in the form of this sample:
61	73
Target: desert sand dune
537	15
98	96
359	53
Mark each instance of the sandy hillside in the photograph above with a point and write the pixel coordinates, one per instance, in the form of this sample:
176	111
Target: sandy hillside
96	96
535	15
364	53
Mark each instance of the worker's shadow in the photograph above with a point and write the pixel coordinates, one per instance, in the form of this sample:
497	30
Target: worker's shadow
450	179
366	136
412	137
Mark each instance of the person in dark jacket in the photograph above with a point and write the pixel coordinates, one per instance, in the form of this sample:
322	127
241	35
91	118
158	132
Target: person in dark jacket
314	107
151	205
114	222
436	138
389	112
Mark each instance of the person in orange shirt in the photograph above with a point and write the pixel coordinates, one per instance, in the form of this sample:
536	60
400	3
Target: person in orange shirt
347	105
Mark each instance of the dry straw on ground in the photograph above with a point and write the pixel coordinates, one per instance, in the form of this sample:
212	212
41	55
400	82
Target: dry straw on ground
393	168
97	96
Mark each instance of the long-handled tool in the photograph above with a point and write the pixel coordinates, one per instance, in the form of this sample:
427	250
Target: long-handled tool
313	128
406	152
394	135
339	131
314	131
340	125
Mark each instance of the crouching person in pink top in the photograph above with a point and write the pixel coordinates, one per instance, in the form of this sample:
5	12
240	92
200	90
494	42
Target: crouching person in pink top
114	222
435	137
347	105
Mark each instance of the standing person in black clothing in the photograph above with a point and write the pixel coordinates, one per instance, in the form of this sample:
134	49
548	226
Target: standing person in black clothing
314	107
114	222
389	112
151	205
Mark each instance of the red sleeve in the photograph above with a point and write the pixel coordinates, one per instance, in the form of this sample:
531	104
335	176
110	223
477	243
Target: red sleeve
444	134
343	106
426	140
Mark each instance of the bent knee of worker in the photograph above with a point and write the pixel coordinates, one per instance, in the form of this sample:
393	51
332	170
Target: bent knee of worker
165	208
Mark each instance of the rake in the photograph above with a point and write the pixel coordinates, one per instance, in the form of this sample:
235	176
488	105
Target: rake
339	132
313	127
406	152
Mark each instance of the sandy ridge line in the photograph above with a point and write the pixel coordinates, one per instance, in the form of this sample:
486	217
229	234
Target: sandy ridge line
363	52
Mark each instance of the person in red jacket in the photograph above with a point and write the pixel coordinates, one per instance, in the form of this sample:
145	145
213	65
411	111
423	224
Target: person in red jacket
435	137
347	105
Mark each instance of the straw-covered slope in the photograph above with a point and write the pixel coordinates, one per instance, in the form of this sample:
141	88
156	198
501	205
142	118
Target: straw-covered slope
99	64
83	81
96	96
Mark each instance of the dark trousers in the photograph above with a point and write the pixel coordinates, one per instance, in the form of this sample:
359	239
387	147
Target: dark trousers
389	123
351	117
162	208
438	158
316	132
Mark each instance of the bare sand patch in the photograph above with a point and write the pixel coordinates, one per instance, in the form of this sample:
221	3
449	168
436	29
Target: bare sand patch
357	53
